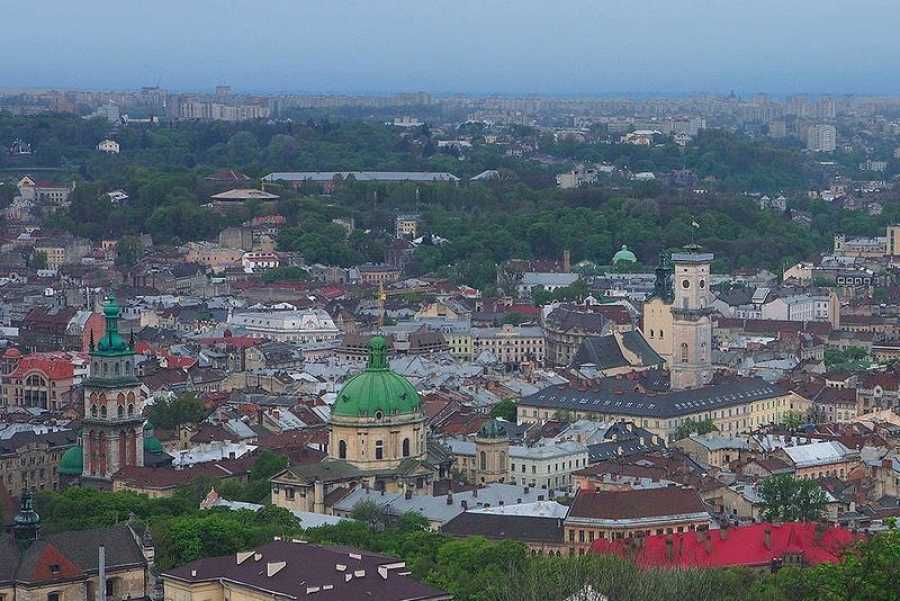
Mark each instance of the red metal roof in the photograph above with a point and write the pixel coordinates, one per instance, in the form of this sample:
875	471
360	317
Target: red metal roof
742	546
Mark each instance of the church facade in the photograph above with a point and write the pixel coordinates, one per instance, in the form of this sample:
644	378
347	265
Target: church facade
377	439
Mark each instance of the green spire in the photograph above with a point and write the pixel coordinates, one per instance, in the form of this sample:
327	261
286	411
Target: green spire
27	523
112	344
377	353
111	311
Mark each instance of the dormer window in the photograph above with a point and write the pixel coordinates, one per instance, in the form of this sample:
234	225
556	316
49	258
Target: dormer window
54	568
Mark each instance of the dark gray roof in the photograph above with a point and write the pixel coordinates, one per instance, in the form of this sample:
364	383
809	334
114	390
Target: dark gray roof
617	396
326	471
80	547
566	318
9	559
311	571
605	352
64	438
505	527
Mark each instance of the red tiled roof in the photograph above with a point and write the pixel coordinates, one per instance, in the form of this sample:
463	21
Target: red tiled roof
55	368
743	546
63	566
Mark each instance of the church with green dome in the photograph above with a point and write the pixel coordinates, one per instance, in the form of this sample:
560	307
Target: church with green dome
377	439
624	255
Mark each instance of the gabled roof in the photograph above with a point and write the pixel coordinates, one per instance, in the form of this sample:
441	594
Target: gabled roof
76	552
298	570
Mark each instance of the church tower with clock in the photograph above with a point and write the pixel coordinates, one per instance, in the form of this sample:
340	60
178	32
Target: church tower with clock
113	432
690	365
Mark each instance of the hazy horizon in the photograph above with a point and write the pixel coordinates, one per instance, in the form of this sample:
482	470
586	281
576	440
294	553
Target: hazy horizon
505	47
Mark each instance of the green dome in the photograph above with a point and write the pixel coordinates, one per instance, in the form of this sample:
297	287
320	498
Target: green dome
72	462
152	445
111	343
491	429
624	255
377	390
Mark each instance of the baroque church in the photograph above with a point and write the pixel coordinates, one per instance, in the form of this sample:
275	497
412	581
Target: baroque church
377	439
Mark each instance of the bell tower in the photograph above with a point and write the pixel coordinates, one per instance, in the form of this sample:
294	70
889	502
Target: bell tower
113	433
691	361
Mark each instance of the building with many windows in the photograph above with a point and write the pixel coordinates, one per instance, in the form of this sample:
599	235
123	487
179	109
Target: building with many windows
314	325
511	345
490	458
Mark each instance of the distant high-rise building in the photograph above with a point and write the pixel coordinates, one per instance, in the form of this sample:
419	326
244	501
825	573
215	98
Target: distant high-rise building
796	105
223	91
821	138
825	108
777	128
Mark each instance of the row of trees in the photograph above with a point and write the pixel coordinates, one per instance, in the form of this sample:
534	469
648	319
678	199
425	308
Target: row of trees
472	569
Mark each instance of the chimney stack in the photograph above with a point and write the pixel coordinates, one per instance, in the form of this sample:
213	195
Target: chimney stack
767	540
464	504
449	498
101	561
670	550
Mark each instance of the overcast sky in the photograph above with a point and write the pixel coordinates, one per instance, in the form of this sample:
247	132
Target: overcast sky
488	46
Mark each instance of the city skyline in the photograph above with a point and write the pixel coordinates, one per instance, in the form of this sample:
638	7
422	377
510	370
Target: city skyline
569	48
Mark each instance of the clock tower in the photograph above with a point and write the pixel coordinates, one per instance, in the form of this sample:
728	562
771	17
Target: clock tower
113	433
690	365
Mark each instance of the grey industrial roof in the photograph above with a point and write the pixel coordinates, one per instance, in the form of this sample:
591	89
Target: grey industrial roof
362	176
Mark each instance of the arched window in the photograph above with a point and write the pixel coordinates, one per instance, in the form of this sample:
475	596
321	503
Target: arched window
116	371
105	369
35	380
120	411
483	461
661	334
103	411
651	333
93	410
130	408
406	447
127	367
379	449
342	449
684	352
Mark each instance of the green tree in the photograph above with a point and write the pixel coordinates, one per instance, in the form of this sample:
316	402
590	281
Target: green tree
170	411
791	499
39	260
505	409
690	426
285	274
128	251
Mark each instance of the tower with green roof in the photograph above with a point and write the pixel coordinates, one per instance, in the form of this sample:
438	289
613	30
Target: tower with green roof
113	432
377	421
491	453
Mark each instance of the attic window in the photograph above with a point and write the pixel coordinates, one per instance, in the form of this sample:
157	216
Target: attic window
54	568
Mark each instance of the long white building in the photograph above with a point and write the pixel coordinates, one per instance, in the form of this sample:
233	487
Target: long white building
314	325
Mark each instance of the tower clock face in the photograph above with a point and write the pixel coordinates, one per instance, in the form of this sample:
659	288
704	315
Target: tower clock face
685	284
702	283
